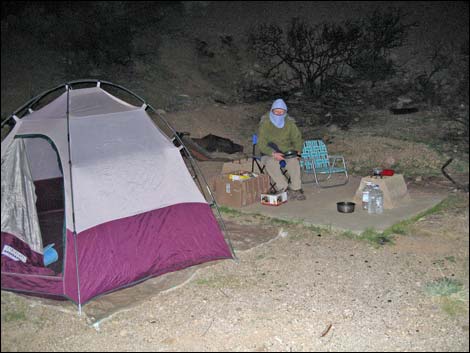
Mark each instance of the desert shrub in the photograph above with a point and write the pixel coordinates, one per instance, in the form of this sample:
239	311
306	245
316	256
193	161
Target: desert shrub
327	57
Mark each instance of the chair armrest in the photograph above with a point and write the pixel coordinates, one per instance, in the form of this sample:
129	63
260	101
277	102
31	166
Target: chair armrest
337	156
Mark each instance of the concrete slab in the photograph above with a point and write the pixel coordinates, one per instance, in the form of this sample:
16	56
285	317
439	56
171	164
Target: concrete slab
320	208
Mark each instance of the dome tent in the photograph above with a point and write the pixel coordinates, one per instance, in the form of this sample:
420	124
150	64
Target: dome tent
94	175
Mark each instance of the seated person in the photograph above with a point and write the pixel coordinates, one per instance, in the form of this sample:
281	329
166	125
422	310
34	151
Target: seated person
278	134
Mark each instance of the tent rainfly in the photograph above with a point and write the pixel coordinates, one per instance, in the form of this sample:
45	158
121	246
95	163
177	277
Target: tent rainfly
94	176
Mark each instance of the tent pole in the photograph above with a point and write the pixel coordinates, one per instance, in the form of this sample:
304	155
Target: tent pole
73	206
29	104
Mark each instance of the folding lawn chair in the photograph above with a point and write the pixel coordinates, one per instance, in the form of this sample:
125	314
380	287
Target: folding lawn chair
315	160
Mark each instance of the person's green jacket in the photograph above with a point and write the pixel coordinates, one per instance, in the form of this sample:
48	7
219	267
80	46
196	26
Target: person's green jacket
287	138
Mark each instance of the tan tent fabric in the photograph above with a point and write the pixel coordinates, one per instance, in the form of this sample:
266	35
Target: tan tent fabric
101	149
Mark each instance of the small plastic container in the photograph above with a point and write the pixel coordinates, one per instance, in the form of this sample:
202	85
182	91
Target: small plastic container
50	255
372	203
365	195
379	200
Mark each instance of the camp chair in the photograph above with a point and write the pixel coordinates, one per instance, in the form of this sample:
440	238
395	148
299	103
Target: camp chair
257	159
315	160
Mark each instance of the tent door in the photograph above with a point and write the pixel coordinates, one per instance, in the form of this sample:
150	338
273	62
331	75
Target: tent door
48	179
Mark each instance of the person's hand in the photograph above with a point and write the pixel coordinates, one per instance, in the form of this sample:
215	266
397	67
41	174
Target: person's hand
278	156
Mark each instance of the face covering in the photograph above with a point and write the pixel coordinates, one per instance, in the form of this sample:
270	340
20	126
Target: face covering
278	120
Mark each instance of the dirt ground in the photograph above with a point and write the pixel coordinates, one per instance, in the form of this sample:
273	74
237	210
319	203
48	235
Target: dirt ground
304	290
295	288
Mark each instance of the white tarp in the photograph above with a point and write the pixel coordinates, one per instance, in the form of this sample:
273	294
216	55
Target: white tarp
19	215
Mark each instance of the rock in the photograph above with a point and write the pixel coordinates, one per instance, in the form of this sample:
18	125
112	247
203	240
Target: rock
348	314
333	128
160	111
419	179
169	341
282	233
403	101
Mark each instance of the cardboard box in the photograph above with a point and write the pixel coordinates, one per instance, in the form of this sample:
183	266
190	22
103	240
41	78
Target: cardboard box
239	193
239	164
274	199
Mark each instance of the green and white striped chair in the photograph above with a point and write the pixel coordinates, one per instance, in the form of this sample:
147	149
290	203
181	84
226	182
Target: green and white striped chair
316	161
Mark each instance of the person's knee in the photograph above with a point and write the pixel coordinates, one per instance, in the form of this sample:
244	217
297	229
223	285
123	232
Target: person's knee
293	170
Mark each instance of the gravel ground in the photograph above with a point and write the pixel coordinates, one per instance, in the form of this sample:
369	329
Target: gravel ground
302	291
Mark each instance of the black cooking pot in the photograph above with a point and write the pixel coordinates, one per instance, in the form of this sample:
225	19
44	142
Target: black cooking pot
377	172
290	154
345	207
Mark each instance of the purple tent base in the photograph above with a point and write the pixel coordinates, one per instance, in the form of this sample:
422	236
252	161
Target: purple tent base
126	251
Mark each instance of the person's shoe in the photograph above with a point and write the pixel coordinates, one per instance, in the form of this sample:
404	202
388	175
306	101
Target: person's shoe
301	195
296	195
292	195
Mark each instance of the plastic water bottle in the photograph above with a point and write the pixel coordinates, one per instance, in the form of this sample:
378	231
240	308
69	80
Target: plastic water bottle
379	200
365	195
371	206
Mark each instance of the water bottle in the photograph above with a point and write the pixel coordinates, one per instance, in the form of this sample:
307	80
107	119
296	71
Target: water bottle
371	206
379	200
365	195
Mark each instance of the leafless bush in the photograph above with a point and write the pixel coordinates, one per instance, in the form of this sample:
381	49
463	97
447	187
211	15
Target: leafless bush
320	59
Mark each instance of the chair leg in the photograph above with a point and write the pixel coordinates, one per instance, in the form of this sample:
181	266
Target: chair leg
261	168
315	174
307	181
339	184
328	177
272	186
302	177
286	174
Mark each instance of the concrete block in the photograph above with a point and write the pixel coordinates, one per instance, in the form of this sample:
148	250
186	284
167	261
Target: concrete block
393	187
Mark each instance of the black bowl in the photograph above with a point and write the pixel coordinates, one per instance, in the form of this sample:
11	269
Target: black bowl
345	207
